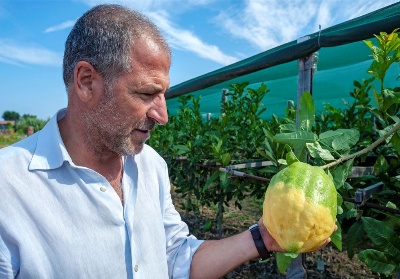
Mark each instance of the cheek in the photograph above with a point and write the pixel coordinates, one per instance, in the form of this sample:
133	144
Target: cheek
132	116
136	109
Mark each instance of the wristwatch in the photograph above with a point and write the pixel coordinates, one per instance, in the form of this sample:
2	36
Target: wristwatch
258	241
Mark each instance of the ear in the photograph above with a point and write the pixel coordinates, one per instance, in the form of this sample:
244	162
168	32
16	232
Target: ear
86	80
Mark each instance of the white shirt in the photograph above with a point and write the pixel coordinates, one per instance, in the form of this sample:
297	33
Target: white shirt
60	220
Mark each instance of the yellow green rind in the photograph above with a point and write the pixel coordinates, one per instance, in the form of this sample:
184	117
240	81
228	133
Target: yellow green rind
300	207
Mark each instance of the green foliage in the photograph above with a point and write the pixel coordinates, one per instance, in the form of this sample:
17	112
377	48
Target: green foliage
338	133
386	258
19	130
192	140
369	122
8	139
384	55
30	120
11	115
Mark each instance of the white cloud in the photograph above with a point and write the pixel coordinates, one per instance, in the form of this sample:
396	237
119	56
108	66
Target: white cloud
184	39
269	23
179	38
136	4
358	8
14	53
9	61
266	24
61	26
324	16
154	5
263	23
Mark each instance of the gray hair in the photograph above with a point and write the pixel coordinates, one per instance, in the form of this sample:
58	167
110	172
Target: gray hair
104	37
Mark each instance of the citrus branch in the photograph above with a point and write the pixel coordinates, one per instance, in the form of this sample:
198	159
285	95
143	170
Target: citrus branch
365	150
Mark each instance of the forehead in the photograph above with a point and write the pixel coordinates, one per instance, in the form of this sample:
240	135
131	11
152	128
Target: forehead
150	65
147	50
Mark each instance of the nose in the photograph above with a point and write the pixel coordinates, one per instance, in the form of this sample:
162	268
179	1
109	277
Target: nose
158	111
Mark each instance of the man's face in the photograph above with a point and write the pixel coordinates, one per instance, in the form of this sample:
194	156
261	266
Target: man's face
134	103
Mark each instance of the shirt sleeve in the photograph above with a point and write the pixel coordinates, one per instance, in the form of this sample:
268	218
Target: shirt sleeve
181	246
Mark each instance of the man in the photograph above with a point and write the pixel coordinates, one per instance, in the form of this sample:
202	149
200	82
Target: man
85	197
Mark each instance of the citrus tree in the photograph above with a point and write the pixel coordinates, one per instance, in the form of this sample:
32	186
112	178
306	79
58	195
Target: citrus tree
361	131
366	132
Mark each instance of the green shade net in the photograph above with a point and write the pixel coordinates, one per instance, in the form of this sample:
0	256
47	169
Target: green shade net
343	58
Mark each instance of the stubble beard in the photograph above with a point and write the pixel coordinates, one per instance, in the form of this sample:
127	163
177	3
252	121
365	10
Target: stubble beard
108	131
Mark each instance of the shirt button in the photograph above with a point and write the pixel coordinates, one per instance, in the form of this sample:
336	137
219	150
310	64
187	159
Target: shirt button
136	268
103	189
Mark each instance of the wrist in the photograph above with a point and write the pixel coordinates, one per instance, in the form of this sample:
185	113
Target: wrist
259	243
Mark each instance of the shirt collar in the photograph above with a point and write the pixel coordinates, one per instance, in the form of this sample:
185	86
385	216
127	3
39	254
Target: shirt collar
50	152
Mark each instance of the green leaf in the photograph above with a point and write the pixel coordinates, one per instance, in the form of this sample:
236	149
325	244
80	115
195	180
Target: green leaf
316	151
225	159
291	158
378	98
326	138
282	161
339	204
382	236
377	261
212	178
369	44
349	213
181	149
384	131
218	146
336	237
341	173
283	260
381	165
291	255
391	205
390	99
266	153
288	148
288	128
306	114
223	178
297	140
354	236
208	225
346	139
395	141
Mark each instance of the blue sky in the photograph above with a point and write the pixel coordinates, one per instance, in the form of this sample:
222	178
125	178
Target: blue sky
205	35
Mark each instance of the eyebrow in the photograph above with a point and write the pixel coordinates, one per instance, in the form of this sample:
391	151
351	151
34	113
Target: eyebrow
147	88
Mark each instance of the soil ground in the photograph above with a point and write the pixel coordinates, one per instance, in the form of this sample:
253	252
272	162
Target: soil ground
336	264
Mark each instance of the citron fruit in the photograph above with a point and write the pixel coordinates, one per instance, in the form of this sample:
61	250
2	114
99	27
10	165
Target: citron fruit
300	207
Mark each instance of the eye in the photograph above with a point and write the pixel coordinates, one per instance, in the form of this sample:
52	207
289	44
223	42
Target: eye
146	96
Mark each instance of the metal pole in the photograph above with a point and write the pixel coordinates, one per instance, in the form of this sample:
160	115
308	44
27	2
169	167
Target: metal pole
224	99
307	66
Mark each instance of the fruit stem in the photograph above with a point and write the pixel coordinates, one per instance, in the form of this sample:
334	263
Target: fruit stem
365	150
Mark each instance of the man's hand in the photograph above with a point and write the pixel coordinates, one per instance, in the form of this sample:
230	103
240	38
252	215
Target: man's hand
272	245
269	241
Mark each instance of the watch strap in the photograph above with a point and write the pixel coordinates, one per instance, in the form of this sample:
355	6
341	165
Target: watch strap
259	243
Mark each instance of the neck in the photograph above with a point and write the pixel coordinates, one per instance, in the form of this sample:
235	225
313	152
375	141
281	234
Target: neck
103	161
